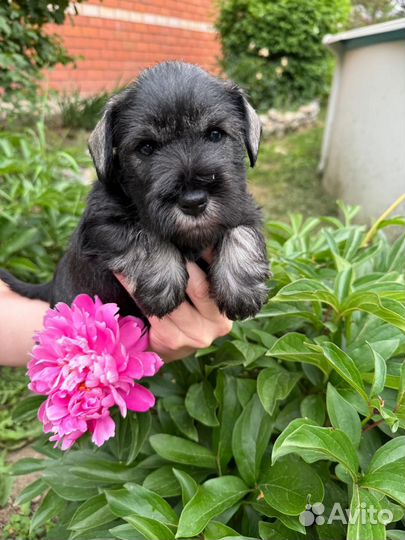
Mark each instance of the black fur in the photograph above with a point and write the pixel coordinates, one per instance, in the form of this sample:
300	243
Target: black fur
133	223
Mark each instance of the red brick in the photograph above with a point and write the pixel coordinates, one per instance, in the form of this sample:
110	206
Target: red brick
115	51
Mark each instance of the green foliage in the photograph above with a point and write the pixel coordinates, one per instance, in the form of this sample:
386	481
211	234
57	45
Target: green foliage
14	431
304	404
79	112
25	46
18	528
41	199
274	49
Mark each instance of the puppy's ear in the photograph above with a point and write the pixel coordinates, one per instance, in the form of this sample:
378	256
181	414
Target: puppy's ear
253	131
252	125
101	144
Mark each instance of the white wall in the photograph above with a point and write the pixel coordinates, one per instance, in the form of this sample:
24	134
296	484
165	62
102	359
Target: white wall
364	145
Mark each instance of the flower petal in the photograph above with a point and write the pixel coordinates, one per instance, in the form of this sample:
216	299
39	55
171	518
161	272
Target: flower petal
139	399
104	429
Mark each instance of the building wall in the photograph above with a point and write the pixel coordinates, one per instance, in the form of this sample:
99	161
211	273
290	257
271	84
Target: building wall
364	161
116	39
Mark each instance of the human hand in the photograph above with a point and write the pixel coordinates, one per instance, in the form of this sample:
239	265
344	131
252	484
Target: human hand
189	327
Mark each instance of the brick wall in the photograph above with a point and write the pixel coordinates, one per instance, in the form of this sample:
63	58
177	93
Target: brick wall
118	38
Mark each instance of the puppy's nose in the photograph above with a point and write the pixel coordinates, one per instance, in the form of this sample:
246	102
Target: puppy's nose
193	202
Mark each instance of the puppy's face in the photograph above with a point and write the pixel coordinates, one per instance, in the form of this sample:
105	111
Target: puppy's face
175	142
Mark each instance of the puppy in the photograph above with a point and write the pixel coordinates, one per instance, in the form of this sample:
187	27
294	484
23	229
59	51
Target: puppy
169	152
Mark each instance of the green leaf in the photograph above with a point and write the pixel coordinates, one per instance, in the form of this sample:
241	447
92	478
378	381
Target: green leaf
226	392
30	492
245	389
313	443
343	415
290	484
292	348
283	310
180	450
249	351
290	428
380	373
389	310
27	408
174	405
50	507
307	290
313	407
27	466
216	530
386	470
358	528
250	439
150	528
274	384
201	404
73	488
188	485
130	436
105	472
344	365
343	282
163	482
144	422
91	514
125	532
291	522
139	500
277	531
395	534
212	498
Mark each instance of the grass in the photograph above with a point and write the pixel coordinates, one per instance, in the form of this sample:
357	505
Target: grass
286	178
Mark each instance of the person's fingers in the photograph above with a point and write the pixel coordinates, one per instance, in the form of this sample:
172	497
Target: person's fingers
168	340
198	331
199	294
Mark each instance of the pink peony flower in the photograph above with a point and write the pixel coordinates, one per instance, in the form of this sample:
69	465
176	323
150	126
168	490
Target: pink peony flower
86	360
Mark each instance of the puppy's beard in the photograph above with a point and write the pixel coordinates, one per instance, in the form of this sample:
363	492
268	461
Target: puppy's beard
197	231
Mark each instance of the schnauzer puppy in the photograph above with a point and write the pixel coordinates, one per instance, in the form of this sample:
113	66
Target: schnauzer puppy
169	153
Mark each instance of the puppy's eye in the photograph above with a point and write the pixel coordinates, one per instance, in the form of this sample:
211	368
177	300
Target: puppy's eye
147	148
215	135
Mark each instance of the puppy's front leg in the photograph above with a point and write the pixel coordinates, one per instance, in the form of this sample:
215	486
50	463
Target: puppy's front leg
156	273
239	273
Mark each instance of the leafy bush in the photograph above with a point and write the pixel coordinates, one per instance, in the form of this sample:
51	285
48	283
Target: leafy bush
305	404
41	199
25	46
274	49
79	112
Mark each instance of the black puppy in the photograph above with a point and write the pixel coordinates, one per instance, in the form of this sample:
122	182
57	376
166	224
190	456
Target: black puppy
169	154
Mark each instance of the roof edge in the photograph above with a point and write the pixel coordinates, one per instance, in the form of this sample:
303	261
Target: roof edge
372	29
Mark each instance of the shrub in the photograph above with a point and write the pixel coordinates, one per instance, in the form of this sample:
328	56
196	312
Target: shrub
82	112
41	199
25	46
305	404
274	49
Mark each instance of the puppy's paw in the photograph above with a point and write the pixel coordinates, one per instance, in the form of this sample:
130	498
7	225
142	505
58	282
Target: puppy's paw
159	295
242	303
239	273
156	275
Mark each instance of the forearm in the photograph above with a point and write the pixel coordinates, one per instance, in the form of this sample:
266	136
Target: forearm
19	319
